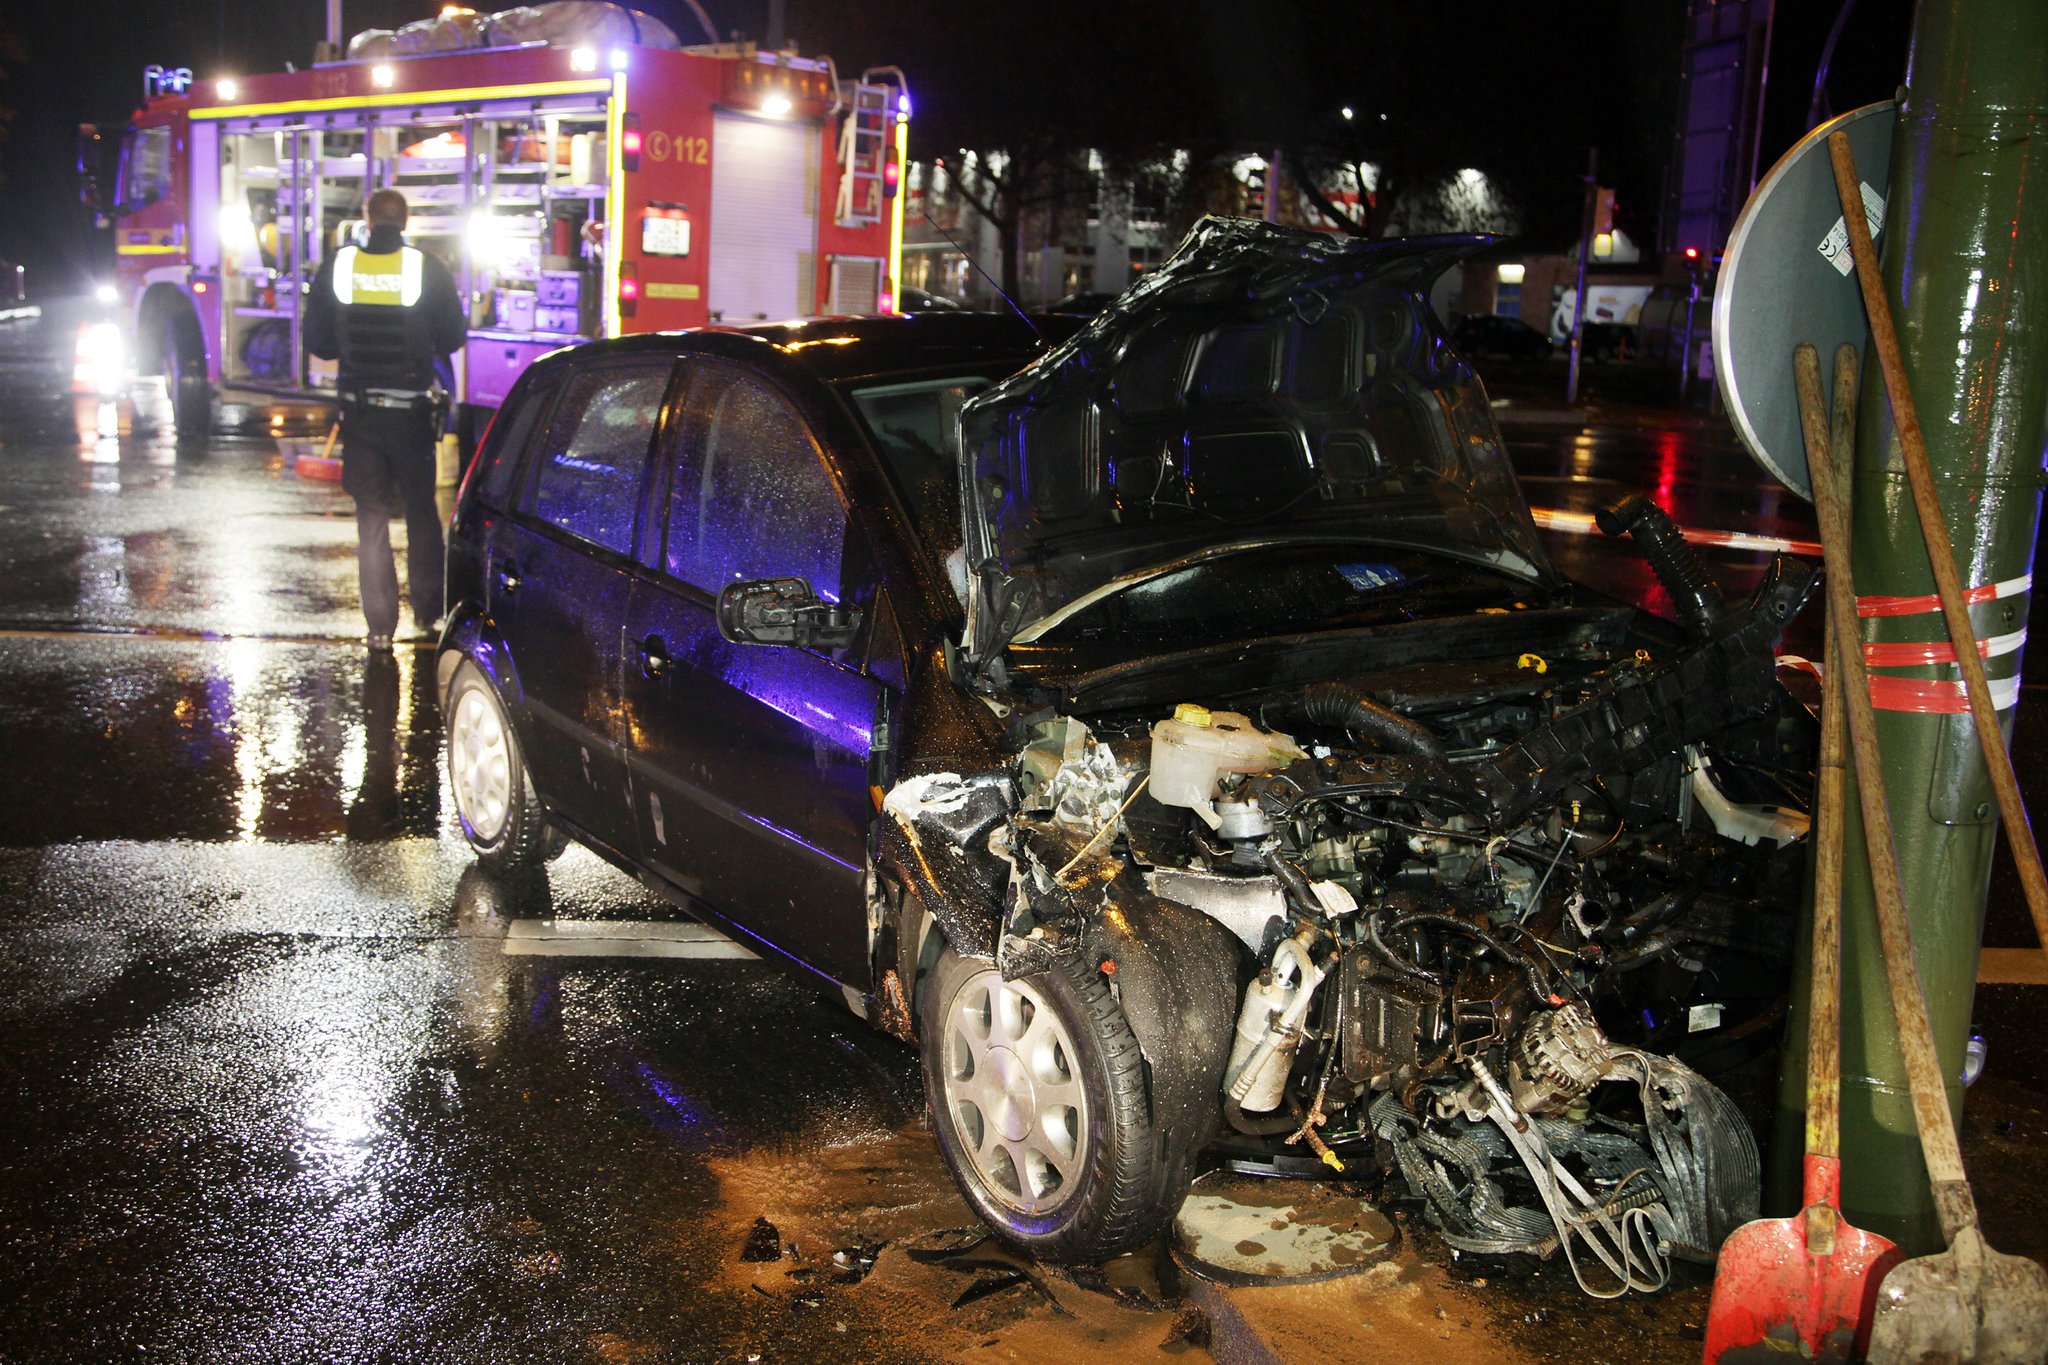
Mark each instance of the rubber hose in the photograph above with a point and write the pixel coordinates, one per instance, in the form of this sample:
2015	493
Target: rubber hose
1293	883
1387	954
1537	977
1657	537
1339	706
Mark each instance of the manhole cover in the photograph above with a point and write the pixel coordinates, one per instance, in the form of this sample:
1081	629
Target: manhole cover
1241	1229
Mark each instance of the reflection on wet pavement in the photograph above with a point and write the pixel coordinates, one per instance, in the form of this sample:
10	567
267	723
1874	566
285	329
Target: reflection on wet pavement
233	739
291	1105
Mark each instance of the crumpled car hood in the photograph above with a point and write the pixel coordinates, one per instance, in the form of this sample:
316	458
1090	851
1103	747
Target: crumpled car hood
1265	385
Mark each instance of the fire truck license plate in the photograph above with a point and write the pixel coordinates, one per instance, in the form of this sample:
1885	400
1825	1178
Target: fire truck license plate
663	236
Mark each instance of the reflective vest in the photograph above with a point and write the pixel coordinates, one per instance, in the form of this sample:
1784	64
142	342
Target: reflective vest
382	333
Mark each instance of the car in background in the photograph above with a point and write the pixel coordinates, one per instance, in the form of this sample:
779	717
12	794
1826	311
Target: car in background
1609	341
1490	334
1171	724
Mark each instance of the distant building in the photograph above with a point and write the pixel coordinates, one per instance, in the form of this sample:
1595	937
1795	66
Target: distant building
1110	226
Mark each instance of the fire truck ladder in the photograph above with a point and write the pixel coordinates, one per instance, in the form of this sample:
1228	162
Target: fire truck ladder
863	152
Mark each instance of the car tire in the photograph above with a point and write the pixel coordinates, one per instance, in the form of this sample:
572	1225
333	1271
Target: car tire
185	381
494	797
1038	1099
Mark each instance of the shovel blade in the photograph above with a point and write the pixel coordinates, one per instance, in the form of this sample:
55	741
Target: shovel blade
1968	1303
1776	1298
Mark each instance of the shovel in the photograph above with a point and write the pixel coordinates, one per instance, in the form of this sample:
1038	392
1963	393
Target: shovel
1968	1303
1807	1284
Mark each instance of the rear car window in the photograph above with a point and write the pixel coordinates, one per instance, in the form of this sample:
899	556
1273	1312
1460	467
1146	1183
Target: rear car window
512	434
750	496
595	451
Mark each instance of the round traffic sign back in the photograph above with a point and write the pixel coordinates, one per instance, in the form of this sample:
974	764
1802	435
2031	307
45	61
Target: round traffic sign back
1787	277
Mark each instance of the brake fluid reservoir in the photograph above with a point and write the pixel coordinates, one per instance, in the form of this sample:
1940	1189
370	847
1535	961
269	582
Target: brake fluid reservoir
1198	747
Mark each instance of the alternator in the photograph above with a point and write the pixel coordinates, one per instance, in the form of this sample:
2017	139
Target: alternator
1558	1059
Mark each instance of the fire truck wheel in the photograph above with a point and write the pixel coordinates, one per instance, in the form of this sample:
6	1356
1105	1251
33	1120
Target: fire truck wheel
185	383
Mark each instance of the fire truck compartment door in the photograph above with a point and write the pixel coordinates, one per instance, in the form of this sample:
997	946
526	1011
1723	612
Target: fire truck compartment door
764	219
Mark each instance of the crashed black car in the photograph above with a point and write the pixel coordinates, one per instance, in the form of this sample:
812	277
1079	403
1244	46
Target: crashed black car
1183	739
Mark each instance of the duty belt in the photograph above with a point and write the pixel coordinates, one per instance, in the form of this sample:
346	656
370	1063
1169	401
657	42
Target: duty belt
397	398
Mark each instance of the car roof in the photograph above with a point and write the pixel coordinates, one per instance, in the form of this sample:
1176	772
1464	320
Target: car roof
842	348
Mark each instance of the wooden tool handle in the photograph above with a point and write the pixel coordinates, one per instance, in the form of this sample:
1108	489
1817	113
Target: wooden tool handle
1824	996
1902	972
1941	555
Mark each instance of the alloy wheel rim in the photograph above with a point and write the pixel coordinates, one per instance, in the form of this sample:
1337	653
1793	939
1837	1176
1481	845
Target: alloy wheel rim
1014	1094
480	766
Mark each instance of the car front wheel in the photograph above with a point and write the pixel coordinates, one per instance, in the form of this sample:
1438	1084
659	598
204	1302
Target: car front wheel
1039	1103
494	798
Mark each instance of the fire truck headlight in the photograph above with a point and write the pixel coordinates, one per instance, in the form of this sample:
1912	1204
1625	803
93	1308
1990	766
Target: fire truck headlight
381	76
101	362
583	59
621	58
776	106
106	293
226	89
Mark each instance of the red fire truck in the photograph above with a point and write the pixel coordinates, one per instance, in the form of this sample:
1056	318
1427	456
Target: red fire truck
575	192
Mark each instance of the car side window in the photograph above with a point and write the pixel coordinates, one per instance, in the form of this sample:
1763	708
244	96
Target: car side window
595	451
511	436
750	496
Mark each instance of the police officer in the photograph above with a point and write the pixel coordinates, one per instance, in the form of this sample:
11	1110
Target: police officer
388	313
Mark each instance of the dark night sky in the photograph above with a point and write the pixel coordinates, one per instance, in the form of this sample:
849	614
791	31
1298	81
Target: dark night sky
1533	80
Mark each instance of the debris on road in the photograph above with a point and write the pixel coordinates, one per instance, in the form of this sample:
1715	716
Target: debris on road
764	1242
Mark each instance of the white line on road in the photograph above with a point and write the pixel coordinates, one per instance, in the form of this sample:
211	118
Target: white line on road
1582	524
618	938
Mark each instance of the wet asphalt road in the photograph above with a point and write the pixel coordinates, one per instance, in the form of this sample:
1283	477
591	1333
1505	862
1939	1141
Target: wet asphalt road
276	1089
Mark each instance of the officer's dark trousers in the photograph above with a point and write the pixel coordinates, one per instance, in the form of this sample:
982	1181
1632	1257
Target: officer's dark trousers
387	465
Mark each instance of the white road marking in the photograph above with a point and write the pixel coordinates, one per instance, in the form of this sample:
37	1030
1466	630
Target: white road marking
618	938
1582	524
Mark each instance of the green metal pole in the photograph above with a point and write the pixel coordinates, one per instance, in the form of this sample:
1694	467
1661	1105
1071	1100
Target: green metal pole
1965	255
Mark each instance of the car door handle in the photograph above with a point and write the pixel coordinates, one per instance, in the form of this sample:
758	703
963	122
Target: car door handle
654	660
508	577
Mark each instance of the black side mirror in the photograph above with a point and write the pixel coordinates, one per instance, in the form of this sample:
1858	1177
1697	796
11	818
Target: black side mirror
784	611
89	165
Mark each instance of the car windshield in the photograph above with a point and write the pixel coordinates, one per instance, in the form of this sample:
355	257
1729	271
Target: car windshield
916	426
1280	590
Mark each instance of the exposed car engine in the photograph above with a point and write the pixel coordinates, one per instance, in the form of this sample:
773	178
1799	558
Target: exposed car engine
1468	918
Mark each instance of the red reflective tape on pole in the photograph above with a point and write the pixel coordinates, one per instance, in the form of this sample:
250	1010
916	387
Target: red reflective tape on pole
1928	697
1919	653
1930	602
